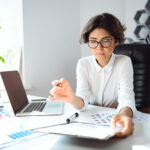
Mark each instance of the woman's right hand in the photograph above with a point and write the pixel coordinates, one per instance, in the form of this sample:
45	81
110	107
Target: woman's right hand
62	91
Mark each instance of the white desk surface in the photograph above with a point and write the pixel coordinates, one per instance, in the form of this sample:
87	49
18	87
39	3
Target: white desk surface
139	140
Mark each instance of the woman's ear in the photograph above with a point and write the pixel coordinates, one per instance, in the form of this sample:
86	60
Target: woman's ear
116	42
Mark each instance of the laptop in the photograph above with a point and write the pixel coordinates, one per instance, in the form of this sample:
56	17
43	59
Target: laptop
19	101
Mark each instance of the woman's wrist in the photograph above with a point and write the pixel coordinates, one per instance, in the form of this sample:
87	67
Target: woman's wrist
127	111
77	102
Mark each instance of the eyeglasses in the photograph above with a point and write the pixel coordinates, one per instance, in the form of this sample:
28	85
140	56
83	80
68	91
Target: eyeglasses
105	43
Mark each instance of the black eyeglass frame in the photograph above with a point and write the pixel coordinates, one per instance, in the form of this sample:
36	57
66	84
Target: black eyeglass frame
101	43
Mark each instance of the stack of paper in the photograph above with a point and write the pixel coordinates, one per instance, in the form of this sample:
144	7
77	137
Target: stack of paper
13	132
82	130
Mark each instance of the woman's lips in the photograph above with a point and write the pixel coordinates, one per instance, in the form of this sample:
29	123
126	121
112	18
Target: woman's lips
100	54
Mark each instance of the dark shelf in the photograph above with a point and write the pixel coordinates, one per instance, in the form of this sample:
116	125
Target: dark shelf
147	6
142	19
141	16
141	32
147	23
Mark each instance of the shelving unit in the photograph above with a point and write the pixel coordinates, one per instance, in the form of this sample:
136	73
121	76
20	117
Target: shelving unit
142	19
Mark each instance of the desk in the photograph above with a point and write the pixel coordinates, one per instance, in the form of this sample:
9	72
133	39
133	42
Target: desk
139	140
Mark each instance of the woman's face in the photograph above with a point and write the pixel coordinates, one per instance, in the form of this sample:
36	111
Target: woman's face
102	50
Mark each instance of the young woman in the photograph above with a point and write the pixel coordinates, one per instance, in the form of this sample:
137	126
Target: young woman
103	79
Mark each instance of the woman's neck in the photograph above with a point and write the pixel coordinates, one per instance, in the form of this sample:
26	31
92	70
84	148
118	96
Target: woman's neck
103	62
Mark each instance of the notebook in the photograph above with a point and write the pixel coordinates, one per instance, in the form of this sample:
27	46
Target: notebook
19	101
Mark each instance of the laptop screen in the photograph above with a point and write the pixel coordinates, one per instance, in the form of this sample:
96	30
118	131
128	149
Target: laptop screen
15	89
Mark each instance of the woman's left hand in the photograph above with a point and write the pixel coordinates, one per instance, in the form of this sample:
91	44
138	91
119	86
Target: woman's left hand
125	122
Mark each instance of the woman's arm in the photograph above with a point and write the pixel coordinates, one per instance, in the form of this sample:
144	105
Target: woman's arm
126	98
126	111
77	102
126	107
62	90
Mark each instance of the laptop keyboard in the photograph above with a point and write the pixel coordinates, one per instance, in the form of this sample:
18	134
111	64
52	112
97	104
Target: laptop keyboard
35	107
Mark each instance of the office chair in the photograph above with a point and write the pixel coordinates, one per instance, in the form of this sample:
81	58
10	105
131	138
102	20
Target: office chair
140	56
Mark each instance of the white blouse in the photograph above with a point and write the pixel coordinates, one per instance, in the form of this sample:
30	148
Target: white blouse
110	86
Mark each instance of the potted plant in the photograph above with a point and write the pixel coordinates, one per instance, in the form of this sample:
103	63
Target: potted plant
2	59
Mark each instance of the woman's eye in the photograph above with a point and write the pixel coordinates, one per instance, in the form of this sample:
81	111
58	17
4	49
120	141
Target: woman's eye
106	41
93	41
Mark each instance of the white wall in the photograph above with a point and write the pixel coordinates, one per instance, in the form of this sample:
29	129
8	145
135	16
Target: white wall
51	42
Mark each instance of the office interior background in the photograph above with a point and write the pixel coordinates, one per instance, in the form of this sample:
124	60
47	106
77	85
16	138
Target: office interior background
47	32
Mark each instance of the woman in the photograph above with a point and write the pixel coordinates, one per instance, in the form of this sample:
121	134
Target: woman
104	79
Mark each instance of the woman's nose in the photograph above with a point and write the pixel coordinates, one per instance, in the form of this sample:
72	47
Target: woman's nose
100	47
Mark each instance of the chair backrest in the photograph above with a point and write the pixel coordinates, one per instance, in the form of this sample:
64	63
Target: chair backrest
140	56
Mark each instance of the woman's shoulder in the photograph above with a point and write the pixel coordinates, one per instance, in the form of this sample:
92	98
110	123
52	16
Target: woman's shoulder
122	58
85	60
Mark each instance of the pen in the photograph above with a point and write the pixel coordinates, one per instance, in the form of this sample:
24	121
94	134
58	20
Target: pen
59	84
72	117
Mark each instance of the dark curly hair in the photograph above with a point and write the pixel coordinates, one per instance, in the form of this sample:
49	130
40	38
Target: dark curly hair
106	21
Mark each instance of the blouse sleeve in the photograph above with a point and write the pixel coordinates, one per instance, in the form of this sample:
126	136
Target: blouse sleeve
126	93
83	88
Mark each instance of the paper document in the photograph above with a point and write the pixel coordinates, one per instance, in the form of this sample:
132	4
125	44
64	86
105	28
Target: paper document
13	132
103	118
141	117
84	130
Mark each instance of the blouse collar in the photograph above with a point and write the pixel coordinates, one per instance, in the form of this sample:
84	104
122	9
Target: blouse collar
108	67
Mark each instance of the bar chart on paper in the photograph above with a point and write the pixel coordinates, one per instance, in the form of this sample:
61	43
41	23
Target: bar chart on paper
13	132
102	118
21	134
17	137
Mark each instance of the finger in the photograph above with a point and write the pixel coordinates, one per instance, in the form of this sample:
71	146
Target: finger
55	82
51	98
124	134
120	135
59	83
62	80
114	121
57	99
127	130
52	91
56	90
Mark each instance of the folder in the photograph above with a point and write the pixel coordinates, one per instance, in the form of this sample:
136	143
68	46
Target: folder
81	130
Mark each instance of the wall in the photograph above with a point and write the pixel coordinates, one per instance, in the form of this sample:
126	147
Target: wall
51	42
131	7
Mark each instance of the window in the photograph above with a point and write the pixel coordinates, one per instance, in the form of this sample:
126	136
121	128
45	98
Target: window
11	35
